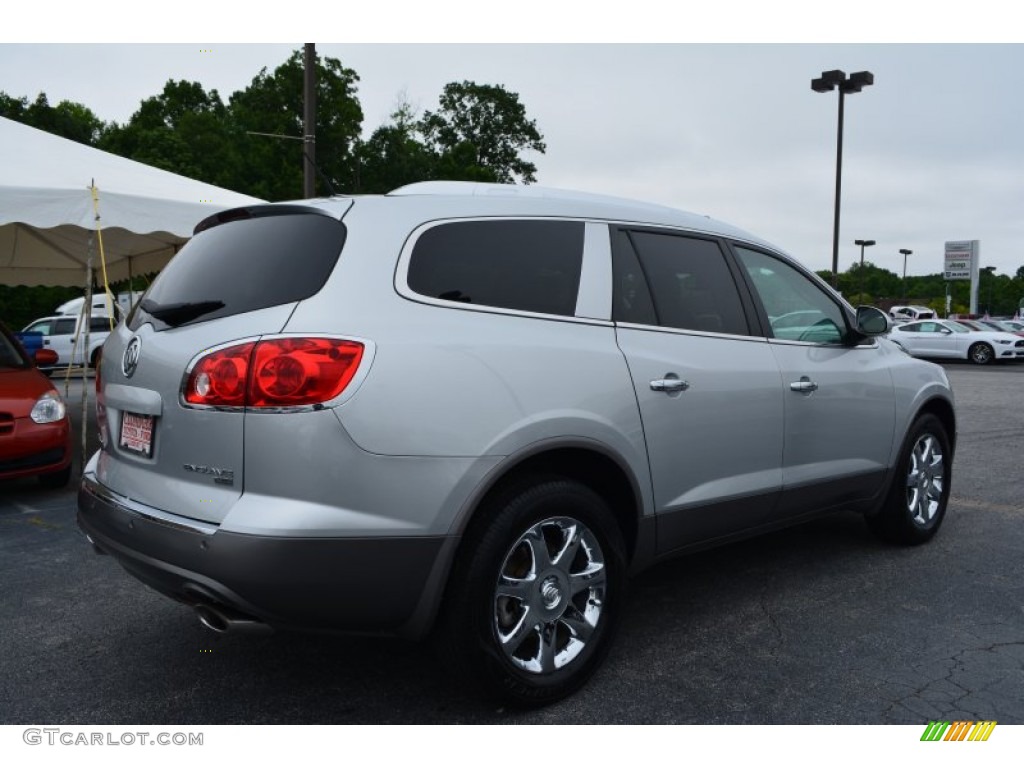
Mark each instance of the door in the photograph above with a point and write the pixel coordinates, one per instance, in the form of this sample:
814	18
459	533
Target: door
839	396
709	392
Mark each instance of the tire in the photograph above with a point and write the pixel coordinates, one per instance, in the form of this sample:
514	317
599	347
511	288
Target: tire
916	503
980	353
57	479
94	359
535	597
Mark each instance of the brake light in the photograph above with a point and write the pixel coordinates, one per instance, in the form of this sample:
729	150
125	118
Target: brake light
274	373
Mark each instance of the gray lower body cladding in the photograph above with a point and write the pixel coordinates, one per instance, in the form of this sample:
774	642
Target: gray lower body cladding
370	584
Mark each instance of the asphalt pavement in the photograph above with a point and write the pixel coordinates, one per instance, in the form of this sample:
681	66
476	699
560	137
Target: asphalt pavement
816	624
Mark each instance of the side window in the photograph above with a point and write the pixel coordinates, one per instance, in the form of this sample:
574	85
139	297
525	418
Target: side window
797	309
43	327
99	324
64	326
677	282
532	266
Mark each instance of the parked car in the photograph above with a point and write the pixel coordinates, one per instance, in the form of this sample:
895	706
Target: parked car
64	335
473	410
1004	326
911	312
956	339
35	432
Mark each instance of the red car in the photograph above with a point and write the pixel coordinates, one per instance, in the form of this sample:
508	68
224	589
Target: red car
35	432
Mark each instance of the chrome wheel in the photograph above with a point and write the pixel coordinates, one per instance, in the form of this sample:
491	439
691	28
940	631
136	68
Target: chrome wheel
925	478
549	595
981	354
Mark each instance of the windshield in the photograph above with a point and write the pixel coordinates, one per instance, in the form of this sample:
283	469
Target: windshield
10	355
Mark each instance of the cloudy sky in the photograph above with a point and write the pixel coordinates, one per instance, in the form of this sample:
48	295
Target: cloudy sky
934	151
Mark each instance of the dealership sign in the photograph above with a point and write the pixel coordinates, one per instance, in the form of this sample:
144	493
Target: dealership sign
961	259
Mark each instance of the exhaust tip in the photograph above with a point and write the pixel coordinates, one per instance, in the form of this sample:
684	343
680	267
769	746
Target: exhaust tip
223	622
212	619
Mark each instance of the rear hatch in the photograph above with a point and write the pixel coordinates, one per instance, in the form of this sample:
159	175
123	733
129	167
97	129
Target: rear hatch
237	280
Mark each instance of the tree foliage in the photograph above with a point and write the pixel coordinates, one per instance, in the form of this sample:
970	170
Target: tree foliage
68	119
482	127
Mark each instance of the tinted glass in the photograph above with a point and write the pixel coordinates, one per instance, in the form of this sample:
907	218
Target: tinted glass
690	283
63	326
10	353
631	296
532	266
246	265
797	308
99	324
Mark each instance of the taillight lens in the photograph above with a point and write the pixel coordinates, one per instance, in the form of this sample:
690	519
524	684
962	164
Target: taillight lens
274	373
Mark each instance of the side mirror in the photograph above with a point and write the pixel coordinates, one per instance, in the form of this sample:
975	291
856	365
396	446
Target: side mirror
872	321
45	357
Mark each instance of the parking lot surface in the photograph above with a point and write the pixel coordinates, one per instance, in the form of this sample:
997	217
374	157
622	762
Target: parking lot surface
816	624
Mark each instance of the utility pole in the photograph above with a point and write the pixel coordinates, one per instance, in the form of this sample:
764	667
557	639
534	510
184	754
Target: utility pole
309	121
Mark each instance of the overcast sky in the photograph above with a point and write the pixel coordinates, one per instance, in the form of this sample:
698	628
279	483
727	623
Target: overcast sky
934	151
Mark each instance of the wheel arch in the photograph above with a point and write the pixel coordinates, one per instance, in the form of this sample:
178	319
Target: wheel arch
585	461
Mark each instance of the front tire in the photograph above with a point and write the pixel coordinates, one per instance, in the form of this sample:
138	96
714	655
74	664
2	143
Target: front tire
535	598
980	353
916	504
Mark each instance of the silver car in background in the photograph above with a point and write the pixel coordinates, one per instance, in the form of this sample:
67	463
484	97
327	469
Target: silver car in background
474	410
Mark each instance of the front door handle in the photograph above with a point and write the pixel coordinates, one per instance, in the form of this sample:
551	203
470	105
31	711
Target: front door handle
804	385
671	383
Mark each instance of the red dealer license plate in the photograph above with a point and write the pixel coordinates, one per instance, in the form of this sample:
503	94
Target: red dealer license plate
137	433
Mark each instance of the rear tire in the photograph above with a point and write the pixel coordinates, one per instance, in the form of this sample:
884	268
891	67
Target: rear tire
536	595
916	503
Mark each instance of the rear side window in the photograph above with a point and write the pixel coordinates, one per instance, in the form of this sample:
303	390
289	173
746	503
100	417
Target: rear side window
531	266
688	282
241	266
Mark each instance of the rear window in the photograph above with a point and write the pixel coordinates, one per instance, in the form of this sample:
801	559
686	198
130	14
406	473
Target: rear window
531	266
241	266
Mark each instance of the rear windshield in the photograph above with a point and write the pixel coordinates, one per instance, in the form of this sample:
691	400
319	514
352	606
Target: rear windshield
241	266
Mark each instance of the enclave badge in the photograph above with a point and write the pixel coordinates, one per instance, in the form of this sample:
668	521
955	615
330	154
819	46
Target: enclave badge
131	357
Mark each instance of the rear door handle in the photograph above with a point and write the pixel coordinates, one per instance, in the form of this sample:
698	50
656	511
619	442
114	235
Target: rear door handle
670	384
804	385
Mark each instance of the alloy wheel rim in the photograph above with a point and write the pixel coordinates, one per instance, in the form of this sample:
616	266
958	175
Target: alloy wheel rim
925	480
549	595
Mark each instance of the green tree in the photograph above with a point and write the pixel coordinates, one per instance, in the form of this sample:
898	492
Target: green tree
68	119
482	130
272	103
185	130
394	155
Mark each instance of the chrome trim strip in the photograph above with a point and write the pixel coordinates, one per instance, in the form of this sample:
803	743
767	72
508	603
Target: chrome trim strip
123	504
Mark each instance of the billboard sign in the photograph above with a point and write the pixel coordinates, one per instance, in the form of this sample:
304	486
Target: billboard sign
961	258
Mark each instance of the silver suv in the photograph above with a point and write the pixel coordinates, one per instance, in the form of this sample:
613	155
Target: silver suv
473	410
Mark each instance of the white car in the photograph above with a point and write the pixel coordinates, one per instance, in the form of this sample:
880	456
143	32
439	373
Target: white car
61	334
912	312
950	339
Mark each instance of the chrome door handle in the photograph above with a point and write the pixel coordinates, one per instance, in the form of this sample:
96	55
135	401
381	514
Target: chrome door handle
670	385
804	385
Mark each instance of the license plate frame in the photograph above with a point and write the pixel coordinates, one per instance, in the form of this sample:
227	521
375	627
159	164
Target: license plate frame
136	434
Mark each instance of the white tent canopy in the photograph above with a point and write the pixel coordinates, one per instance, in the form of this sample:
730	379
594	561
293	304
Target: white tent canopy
47	216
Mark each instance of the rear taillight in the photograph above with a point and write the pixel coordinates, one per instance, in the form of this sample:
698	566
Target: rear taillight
274	373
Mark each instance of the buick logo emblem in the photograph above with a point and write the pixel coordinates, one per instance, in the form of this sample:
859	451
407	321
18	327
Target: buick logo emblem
131	357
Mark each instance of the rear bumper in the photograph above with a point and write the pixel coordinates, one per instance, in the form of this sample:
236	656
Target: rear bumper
370	584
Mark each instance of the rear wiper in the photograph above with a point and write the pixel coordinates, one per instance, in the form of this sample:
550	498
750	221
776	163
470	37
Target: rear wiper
180	313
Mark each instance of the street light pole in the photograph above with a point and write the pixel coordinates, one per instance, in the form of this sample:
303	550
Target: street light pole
828	81
863	244
906	252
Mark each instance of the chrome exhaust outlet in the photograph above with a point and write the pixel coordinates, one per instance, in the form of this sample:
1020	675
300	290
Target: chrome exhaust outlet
223	622
95	546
